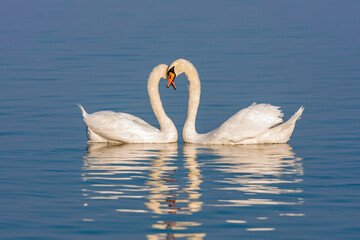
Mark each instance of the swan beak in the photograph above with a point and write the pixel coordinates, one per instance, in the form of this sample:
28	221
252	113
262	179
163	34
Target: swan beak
171	80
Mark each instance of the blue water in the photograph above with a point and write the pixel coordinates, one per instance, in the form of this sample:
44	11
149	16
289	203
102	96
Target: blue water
54	54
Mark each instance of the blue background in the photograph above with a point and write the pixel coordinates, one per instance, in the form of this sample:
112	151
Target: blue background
54	54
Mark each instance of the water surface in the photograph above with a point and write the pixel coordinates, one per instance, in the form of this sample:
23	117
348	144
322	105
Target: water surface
56	54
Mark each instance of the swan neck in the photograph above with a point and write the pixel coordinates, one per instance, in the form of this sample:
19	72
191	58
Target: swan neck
189	131
166	124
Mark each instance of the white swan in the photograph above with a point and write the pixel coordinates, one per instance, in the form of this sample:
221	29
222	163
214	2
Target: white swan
109	126
256	124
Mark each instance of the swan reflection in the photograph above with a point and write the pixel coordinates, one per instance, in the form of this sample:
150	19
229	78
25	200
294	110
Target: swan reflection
165	195
113	171
150	177
258	171
252	175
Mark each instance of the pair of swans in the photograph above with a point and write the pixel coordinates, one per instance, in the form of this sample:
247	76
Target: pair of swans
256	124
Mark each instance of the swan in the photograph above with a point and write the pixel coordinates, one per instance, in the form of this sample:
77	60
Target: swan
109	126
256	124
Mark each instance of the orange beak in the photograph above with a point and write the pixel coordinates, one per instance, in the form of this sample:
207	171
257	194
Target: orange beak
171	80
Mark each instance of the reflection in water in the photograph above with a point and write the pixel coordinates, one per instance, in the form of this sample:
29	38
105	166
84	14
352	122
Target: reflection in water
183	201
247	176
108	169
164	193
251	175
258	170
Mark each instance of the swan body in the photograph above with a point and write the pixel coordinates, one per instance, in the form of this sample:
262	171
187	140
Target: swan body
256	124
109	126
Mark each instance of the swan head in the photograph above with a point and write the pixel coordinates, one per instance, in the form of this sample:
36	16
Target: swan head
178	67
171	77
160	71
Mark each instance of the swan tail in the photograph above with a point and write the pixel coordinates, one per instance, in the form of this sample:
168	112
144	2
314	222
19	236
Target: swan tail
297	115
84	113
282	132
291	122
92	137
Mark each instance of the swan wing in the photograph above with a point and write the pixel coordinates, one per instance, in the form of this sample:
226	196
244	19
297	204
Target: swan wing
121	127
248	123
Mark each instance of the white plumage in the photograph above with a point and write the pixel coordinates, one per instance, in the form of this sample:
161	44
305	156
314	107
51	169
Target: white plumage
109	126
255	124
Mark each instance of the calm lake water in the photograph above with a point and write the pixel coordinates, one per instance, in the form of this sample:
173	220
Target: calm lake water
55	54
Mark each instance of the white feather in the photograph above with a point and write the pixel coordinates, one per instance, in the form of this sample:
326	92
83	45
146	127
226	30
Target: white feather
255	124
109	126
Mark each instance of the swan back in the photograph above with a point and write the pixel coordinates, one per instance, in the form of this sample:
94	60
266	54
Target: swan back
247	123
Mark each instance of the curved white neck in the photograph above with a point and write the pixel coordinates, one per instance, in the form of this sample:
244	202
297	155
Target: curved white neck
189	130
166	125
